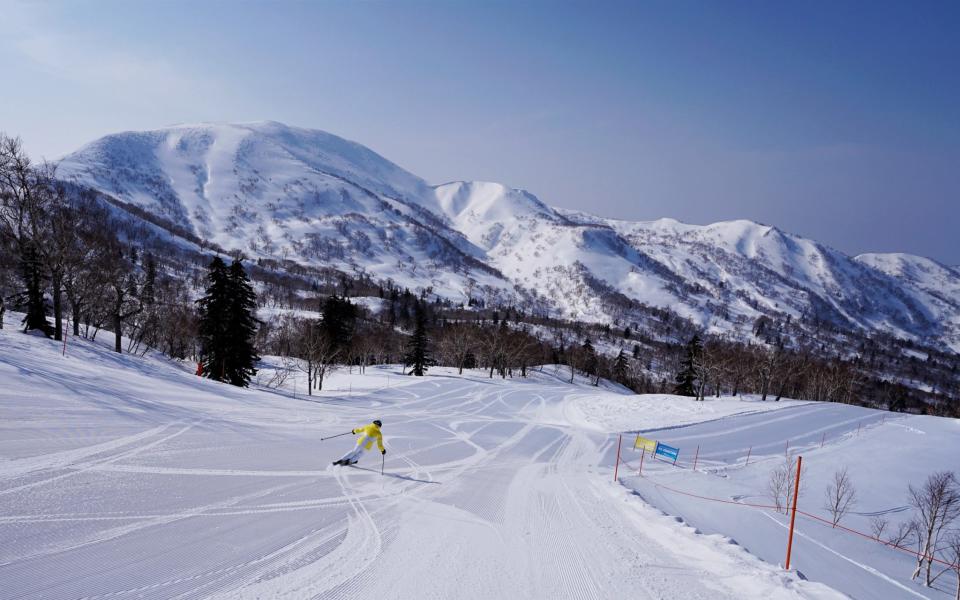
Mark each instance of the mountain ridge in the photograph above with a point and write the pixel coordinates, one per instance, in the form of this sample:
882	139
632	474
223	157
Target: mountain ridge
274	190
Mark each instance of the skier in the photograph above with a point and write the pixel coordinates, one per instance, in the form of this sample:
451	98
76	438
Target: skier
369	433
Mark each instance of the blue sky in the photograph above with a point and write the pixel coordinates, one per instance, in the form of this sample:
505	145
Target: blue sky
836	120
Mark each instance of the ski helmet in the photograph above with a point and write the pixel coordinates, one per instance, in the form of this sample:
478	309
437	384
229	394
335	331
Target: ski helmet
377	423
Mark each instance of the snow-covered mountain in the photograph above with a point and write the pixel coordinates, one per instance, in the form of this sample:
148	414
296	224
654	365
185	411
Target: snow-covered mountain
279	191
938	285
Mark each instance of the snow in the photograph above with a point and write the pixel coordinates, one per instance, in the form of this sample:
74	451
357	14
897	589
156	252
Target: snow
657	411
130	477
269	313
883	452
372	303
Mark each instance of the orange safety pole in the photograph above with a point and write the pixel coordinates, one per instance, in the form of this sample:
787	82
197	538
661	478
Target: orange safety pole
748	456
616	467
793	517
695	457
644	453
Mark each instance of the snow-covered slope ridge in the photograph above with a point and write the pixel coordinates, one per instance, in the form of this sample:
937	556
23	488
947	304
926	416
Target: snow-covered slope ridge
273	191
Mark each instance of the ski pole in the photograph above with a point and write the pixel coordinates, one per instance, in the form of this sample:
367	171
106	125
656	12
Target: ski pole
383	459
336	436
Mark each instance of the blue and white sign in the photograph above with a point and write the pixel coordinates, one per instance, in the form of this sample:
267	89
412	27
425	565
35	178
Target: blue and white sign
668	452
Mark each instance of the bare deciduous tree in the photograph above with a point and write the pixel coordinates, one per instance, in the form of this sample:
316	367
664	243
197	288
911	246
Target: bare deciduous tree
878	524
122	295
840	496
937	504
781	483
456	344
951	553
320	354
905	533
765	365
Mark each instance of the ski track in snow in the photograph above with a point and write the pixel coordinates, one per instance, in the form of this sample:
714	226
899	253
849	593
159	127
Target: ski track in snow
210	491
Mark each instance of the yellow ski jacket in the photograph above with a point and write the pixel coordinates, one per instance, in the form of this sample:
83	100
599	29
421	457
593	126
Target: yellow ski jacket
370	432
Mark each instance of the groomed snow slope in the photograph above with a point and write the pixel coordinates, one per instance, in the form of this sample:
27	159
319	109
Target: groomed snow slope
127	477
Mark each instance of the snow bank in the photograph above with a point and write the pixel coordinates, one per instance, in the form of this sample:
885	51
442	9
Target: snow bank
647	412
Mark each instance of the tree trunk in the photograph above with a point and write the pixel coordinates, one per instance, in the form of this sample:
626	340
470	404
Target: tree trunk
309	378
76	320
781	390
118	334
57	283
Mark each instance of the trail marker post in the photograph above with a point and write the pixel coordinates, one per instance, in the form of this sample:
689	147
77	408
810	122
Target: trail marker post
642	454
616	466
793	510
695	457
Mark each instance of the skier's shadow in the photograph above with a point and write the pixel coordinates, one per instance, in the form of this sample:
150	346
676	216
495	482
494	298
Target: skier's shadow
394	475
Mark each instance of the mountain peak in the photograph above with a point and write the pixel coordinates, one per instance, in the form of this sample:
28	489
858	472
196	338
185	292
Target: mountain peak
272	190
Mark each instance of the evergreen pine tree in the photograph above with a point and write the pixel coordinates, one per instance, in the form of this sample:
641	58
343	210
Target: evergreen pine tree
418	351
620	367
686	378
214	308
241	355
339	319
589	358
32	270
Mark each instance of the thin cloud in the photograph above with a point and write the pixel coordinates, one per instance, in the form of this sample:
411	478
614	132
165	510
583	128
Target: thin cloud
35	34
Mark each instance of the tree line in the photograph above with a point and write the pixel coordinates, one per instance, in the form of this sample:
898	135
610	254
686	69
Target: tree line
63	258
